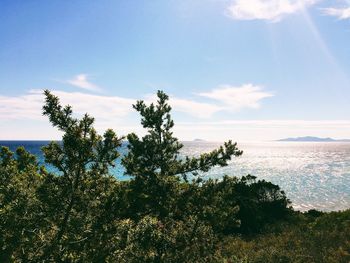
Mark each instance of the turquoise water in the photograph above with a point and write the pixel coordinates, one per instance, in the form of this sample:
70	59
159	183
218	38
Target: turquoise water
34	147
313	175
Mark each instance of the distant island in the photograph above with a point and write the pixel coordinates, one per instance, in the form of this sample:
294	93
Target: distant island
199	140
312	139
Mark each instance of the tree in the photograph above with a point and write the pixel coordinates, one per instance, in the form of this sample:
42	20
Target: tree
260	202
155	161
20	175
82	157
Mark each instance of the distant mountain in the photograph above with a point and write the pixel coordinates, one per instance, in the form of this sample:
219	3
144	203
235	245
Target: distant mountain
312	139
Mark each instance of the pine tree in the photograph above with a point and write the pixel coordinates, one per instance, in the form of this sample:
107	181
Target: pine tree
82	155
155	161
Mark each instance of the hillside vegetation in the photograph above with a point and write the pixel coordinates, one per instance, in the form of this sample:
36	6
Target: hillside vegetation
164	213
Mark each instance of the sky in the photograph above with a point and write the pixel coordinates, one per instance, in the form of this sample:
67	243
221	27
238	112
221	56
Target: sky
246	70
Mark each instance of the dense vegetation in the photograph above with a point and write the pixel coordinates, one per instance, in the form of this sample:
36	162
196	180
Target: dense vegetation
164	213
311	237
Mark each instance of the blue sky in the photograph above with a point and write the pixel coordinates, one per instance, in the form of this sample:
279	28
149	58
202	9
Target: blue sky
235	69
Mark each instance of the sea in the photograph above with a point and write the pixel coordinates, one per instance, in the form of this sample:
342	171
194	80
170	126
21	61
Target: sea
314	175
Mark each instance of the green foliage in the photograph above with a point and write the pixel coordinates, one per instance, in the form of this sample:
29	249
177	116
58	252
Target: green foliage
155	162
210	202
82	151
260	203
82	214
233	205
157	153
83	158
305	239
152	240
19	177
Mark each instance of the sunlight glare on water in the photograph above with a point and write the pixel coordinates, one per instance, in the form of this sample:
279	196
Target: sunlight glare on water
313	175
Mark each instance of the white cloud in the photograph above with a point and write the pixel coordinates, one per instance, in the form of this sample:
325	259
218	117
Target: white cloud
102	107
191	107
111	109
224	98
22	107
29	106
272	10
340	13
106	109
235	98
81	81
20	117
196	109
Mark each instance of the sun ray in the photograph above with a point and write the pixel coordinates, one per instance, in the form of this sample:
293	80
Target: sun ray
322	45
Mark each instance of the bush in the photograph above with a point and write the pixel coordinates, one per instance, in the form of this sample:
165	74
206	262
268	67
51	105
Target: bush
321	240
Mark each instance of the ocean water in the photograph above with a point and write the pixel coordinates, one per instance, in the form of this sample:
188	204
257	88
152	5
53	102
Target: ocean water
313	175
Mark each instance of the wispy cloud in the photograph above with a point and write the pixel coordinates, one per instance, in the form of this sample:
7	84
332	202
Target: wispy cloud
224	98
116	112
271	10
81	81
107	109
110	109
340	13
29	106
194	108
21	107
232	98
